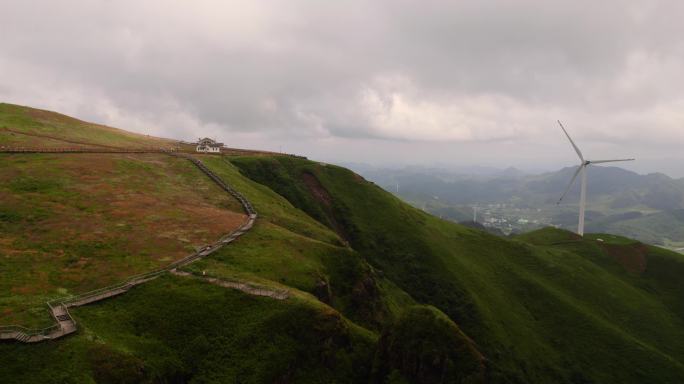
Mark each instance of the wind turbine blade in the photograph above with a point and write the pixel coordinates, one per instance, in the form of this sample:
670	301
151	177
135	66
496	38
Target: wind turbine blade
579	153
571	182
609	161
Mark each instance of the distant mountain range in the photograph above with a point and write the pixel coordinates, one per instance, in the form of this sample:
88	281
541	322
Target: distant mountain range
648	207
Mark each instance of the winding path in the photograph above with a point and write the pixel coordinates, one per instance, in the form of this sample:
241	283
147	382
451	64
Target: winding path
59	309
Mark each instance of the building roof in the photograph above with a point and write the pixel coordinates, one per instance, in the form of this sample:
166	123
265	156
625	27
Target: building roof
207	142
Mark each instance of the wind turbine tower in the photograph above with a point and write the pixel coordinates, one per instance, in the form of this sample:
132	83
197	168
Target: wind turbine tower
582	168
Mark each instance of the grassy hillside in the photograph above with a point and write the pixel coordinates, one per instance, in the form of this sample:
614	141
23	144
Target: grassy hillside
176	330
380	292
425	346
289	247
75	222
132	212
539	313
29	127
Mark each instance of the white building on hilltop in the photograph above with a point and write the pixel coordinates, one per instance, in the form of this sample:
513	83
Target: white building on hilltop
208	145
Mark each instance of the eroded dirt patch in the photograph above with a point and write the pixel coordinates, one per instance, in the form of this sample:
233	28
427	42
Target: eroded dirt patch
322	195
317	190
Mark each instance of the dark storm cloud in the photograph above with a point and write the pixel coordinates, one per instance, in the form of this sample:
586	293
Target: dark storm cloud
316	72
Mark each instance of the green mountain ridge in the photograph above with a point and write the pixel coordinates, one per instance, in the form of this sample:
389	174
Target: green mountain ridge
381	292
471	275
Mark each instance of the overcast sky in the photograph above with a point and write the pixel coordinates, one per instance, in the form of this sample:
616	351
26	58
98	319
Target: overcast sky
381	82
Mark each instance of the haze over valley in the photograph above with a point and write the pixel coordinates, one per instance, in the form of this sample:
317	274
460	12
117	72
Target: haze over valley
646	207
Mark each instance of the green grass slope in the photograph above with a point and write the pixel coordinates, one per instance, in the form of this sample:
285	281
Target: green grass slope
29	127
70	223
120	205
538	313
289	247
425	346
177	330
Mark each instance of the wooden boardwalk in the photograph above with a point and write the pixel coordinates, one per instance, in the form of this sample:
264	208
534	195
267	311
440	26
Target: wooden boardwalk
59	309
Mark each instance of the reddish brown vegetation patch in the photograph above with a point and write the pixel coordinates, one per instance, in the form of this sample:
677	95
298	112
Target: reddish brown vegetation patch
632	257
103	218
67	142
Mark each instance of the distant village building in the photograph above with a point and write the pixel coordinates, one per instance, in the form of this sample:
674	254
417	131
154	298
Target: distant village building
208	145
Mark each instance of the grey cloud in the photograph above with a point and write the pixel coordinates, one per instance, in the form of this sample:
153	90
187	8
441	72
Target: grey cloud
376	72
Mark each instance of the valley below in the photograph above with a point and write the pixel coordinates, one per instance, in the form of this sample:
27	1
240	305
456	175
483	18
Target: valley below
649	208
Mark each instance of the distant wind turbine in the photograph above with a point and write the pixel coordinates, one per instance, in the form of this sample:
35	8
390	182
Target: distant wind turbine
582	168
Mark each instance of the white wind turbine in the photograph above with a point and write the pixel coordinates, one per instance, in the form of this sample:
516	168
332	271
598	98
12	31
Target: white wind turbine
582	168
